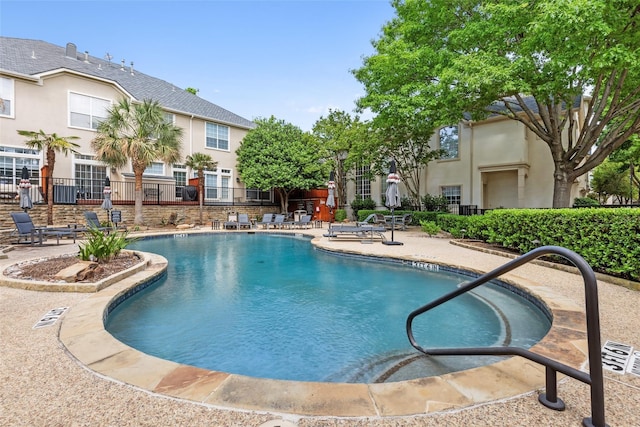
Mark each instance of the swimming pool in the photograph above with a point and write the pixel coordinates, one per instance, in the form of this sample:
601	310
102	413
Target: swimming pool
273	307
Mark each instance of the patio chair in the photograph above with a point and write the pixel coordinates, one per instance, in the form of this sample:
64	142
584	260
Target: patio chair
27	230
279	222
304	222
267	219
243	221
371	218
94	222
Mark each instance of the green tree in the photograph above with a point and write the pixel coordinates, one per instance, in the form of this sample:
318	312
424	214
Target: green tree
200	162
138	132
528	61
611	179
279	155
338	134
628	154
51	143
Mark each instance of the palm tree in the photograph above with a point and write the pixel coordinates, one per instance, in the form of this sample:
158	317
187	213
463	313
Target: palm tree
51	143
140	133
200	162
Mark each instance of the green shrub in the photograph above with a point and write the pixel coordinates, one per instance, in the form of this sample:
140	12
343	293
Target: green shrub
435	203
102	247
340	215
456	225
585	202
608	239
359	204
429	227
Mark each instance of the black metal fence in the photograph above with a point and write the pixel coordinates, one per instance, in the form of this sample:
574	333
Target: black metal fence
91	192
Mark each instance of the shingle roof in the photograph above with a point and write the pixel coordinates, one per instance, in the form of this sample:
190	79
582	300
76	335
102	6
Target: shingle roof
36	57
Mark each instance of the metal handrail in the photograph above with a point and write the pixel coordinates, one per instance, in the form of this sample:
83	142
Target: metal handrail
550	399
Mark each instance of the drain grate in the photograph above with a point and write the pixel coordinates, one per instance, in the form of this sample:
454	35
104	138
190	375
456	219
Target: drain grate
50	318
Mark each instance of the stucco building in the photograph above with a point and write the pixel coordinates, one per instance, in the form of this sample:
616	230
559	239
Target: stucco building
66	91
493	163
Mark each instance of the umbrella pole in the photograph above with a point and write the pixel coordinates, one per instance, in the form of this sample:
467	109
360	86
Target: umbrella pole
393	226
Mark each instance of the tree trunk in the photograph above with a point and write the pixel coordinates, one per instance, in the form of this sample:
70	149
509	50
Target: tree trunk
51	160
562	189
284	200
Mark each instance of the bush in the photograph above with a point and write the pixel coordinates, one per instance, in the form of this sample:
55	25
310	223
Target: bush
359	204
340	215
608	239
585	202
429	227
102	248
435	203
456	225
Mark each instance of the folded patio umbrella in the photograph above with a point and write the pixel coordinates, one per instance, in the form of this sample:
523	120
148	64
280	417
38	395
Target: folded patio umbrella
25	186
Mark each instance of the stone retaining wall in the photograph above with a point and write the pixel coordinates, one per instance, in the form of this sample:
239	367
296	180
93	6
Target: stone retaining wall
154	215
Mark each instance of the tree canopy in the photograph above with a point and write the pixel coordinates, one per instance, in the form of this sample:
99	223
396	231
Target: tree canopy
51	143
341	135
532	62
279	155
137	132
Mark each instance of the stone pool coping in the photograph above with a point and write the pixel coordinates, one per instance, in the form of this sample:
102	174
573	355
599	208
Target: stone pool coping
83	335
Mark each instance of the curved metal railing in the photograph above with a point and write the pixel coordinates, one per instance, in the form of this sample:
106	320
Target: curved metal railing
550	399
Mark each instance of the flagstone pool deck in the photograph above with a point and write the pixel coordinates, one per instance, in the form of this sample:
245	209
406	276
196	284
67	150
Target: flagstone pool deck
75	374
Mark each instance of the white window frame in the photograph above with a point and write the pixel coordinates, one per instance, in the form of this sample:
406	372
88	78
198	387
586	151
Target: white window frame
449	191
363	182
152	169
221	191
97	185
449	155
94	110
7	94
181	169
215	128
29	157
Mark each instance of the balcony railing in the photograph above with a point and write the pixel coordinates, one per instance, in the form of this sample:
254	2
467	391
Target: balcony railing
91	192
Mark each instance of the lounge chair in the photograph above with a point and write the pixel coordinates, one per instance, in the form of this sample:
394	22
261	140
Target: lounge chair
94	222
267	219
360	232
25	229
370	219
304	222
238	222
279	222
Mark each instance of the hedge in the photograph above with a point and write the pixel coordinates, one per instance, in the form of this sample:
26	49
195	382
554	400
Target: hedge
608	239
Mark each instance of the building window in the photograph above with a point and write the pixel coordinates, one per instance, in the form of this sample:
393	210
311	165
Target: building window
449	142
216	185
86	111
6	97
452	193
180	175
363	183
11	162
170	118
217	136
89	177
155	168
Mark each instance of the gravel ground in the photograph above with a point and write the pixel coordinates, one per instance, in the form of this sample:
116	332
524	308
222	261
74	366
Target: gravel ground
43	386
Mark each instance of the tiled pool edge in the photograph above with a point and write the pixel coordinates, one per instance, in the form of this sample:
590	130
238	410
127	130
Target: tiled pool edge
82	333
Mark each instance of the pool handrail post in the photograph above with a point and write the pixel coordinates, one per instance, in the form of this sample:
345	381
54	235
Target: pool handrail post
595	376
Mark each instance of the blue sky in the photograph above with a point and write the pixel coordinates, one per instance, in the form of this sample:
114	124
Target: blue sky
290	59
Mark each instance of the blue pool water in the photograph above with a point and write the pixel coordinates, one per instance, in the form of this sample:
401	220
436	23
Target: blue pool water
274	307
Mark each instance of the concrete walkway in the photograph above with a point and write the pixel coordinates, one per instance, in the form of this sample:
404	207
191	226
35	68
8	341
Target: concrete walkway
42	384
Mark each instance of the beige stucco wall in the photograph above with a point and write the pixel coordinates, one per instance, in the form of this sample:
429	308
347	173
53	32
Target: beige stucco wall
45	105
